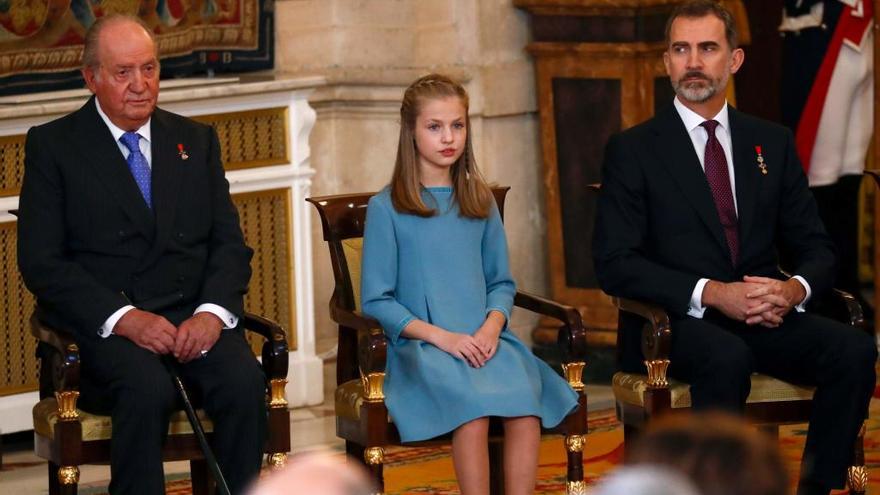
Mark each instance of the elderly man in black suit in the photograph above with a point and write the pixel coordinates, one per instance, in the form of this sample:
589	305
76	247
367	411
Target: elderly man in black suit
695	205
130	241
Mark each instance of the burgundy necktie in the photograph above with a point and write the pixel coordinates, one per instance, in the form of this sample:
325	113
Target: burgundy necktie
715	164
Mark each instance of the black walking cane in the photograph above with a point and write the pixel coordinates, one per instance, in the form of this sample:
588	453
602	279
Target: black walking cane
171	366
152	306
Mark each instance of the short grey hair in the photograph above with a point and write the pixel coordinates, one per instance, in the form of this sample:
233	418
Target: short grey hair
90	58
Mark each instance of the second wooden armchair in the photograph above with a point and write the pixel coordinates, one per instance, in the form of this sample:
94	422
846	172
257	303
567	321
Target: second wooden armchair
361	416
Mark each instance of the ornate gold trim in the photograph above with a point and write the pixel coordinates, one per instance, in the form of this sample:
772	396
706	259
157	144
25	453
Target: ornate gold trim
251	138
863	429
575	443
276	460
67	405
272	292
11	171
68	475
657	373
576	488
374	456
574	374
857	479
277	398
374	384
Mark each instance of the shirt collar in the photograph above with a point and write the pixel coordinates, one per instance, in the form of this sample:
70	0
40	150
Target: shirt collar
692	119
144	130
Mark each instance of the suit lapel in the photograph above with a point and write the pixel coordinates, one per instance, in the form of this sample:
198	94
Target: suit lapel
95	142
746	171
675	150
166	166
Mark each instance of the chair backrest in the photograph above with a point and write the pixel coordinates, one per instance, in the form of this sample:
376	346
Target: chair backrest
342	220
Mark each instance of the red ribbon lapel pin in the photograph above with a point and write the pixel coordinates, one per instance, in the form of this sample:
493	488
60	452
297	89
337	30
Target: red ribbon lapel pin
181	152
761	164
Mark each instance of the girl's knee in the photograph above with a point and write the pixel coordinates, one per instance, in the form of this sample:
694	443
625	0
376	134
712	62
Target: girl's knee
477	425
522	422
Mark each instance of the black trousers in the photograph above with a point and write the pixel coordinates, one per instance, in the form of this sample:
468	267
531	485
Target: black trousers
132	385
716	356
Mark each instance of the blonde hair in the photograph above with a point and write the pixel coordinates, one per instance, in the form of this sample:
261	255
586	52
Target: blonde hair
470	190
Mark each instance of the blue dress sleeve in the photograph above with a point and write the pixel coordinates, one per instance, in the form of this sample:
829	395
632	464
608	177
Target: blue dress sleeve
500	287
379	272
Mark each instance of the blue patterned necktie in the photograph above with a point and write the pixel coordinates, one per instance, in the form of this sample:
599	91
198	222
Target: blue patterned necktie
137	162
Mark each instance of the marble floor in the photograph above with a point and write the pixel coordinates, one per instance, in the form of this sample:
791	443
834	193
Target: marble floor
311	428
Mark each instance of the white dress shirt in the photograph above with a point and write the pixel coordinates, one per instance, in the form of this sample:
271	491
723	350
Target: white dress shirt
228	318
699	137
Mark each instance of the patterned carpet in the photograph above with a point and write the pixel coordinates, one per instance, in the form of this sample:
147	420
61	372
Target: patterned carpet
415	471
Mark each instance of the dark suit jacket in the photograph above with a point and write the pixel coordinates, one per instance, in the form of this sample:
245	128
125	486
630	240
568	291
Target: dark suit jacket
88	244
658	232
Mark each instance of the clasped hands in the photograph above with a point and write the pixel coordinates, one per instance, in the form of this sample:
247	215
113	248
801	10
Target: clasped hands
756	300
476	349
157	334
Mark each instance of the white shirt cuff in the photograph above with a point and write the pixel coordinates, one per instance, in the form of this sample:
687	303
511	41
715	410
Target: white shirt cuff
800	308
229	320
106	329
696	308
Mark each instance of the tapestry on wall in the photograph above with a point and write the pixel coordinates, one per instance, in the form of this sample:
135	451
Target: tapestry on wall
41	41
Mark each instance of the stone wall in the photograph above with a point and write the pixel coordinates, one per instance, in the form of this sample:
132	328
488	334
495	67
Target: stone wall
370	50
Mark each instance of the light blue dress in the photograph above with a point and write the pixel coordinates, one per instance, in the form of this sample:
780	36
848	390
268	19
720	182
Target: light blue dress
450	271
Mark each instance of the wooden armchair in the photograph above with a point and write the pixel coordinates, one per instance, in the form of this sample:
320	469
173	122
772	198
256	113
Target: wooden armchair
771	402
68	437
361	416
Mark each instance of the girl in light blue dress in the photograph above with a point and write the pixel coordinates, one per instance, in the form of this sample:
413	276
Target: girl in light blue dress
435	274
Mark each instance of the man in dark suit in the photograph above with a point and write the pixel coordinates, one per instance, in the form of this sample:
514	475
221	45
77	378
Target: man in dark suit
130	241
695	205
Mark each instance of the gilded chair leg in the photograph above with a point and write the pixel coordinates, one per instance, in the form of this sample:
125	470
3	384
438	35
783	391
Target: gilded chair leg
276	460
68	479
857	479
657	397
375	457
857	474
574	446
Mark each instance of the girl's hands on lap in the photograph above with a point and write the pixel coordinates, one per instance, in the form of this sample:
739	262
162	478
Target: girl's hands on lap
486	339
487	335
464	347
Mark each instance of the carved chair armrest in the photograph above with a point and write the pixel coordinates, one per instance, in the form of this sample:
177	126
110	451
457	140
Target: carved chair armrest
372	349
63	355
353	319
572	337
656	337
275	351
841	306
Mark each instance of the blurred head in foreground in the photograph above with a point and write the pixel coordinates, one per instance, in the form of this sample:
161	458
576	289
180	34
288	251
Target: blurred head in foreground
316	473
645	480
721	454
